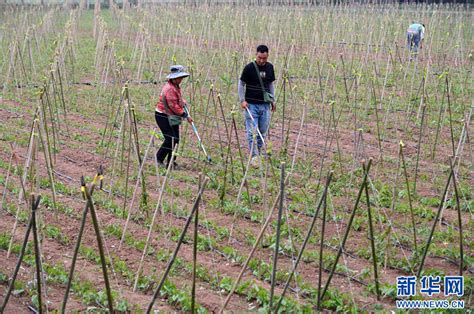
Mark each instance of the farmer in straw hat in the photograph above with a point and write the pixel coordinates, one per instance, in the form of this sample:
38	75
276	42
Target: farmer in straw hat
169	114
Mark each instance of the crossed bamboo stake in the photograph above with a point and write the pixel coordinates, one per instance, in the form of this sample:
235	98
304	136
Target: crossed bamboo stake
87	192
31	226
363	187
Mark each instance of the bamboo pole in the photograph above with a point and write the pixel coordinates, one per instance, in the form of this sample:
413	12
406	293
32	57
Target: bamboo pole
379	140
277	240
372	239
13	154
234	126
450	116
43	115
439	126
49	164
321	246
127	171
29	164
196	226
140	170
405	172
61	88
243	182
458	207
229	142
419	146
37	251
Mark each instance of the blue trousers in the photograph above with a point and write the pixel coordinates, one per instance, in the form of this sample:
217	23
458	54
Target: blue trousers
413	40
261	120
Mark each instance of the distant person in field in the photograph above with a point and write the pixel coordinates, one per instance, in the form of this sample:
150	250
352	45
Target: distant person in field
415	35
256	94
169	113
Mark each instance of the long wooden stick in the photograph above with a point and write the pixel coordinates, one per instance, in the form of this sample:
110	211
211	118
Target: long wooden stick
450	117
234	126
243	182
372	239
8	175
196	238
100	246
458	207
140	171
277	240
409	194
321	247
418	151
37	251
29	164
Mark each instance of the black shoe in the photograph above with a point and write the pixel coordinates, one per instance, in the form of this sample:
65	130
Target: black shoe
160	164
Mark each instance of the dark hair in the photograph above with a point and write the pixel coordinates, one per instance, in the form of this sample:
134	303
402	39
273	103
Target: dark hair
262	48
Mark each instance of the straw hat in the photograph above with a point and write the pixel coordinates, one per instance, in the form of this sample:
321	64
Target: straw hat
176	72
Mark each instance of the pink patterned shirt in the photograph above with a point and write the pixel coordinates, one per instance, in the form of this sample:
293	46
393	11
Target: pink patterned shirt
173	98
